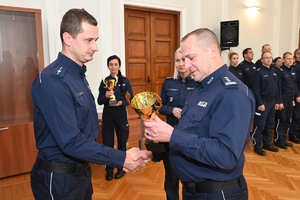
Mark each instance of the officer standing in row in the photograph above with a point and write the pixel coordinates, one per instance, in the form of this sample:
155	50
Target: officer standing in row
248	67
207	146
289	93
295	125
267	96
174	92
114	116
264	48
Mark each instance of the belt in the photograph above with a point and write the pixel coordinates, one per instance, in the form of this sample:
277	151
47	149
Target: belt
63	168
268	98
288	91
209	186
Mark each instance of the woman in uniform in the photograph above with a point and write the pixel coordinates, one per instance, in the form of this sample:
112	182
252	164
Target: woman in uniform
112	92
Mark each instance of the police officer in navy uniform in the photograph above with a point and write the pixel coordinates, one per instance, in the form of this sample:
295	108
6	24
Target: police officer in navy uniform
207	146
248	67
294	130
115	115
234	68
264	48
66	121
267	96
290	94
174	92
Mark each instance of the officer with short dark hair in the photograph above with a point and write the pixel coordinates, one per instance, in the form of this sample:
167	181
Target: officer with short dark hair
267	96
66	123
248	67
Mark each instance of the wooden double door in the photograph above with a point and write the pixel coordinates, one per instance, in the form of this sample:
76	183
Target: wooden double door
151	38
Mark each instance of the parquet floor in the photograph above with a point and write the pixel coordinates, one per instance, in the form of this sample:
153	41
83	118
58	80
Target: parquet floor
275	176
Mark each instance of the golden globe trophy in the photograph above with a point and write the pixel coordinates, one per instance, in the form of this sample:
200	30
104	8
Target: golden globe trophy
110	84
146	105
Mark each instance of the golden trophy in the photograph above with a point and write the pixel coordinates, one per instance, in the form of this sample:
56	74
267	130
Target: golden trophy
110	84
146	105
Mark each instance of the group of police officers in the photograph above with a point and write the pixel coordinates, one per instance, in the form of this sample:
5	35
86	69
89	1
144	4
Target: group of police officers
277	96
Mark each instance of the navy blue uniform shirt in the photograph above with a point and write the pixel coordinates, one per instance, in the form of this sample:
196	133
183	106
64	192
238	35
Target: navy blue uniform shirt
236	71
213	132
266	85
288	79
120	96
65	118
297	70
173	94
248	70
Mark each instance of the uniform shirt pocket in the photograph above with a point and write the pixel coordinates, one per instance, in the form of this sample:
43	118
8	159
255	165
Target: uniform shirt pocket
195	115
82	111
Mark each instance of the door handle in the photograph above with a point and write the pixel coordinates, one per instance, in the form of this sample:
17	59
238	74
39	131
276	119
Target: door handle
148	80
3	129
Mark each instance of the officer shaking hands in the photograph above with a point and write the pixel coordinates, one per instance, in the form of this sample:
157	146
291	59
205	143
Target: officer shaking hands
66	121
206	147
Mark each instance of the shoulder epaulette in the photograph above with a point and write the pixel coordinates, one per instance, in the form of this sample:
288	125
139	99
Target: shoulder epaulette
228	83
59	72
169	77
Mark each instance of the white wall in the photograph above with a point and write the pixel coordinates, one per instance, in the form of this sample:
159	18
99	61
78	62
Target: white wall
276	23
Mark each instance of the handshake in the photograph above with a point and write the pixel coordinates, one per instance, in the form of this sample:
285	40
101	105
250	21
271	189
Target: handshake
136	159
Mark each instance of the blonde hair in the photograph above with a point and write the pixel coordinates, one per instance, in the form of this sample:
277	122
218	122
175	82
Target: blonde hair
176	73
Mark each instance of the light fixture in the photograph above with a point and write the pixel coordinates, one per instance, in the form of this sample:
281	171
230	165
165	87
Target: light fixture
254	8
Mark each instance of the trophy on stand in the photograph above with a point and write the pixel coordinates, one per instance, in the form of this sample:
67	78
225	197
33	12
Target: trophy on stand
146	105
110	84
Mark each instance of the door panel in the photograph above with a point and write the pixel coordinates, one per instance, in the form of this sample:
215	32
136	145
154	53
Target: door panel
137	36
151	38
163	41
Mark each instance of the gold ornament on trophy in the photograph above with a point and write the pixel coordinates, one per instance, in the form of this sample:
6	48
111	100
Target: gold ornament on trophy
146	105
110	84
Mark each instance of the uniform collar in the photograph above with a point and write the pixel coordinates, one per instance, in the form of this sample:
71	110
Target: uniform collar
284	66
72	66
212	78
248	62
188	78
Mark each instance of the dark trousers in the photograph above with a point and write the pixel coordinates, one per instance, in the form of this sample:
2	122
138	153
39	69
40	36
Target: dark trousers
295	125
285	116
115	118
263	124
49	185
239	192
171	185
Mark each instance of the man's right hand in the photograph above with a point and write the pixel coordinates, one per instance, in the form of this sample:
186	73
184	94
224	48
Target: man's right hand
130	164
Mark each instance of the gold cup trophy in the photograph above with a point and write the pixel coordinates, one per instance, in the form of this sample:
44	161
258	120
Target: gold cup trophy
146	105
110	84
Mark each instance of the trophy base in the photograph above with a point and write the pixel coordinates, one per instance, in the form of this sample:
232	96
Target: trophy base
153	146
111	102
